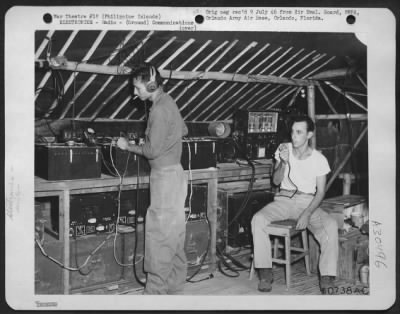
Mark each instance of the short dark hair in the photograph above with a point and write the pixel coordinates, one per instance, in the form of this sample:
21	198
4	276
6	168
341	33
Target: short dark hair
306	119
142	73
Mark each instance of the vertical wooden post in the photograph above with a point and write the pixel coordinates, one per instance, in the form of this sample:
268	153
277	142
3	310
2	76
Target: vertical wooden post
212	216
311	110
64	235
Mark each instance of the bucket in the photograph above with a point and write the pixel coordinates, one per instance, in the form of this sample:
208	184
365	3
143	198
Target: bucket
364	275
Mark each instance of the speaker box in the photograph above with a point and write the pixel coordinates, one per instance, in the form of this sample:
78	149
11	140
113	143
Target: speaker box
198	153
234	219
60	162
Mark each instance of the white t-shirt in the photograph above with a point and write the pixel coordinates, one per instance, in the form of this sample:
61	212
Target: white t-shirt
304	173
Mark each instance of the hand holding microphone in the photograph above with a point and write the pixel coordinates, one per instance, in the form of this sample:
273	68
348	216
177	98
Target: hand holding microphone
122	143
284	152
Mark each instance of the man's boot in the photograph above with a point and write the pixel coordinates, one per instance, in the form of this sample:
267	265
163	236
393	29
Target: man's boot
265	284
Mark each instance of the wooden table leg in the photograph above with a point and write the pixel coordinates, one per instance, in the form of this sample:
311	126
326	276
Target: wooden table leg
64	235
212	218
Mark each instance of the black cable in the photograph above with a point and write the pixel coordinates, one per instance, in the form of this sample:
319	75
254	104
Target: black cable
76	258
223	261
105	163
236	262
203	258
249	189
296	190
143	283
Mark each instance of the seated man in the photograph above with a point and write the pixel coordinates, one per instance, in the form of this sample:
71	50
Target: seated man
301	173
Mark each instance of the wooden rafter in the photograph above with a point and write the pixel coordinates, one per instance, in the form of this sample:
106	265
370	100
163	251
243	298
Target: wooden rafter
266	86
354	116
287	70
346	158
250	46
211	107
361	80
47	75
233	96
71	80
230	63
357	94
329	74
315	59
201	63
349	97
195	69
227	49
124	102
284	93
326	98
44	43
317	68
93	77
169	91
172	57
123	64
292	100
256	85
149	59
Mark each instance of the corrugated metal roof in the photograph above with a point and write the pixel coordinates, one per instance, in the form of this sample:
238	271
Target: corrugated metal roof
67	94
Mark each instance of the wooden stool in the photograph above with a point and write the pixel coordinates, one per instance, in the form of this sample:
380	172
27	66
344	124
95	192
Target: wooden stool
287	230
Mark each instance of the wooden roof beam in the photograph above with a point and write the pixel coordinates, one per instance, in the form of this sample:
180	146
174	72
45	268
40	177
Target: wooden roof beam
233	77
329	74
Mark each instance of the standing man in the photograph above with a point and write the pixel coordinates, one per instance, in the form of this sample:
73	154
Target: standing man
301	173
165	229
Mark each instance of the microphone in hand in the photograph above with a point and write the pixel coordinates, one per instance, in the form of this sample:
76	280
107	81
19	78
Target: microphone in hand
122	143
284	152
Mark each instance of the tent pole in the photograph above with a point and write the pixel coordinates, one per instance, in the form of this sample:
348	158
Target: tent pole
346	158
311	110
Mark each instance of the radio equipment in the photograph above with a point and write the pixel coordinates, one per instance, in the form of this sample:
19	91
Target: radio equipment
133	206
92	213
126	163
198	153
257	133
58	161
196	202
234	220
226	150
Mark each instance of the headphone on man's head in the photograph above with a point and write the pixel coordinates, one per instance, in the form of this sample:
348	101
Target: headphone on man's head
152	85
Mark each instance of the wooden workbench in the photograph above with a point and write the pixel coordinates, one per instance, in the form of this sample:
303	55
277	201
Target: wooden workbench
211	176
